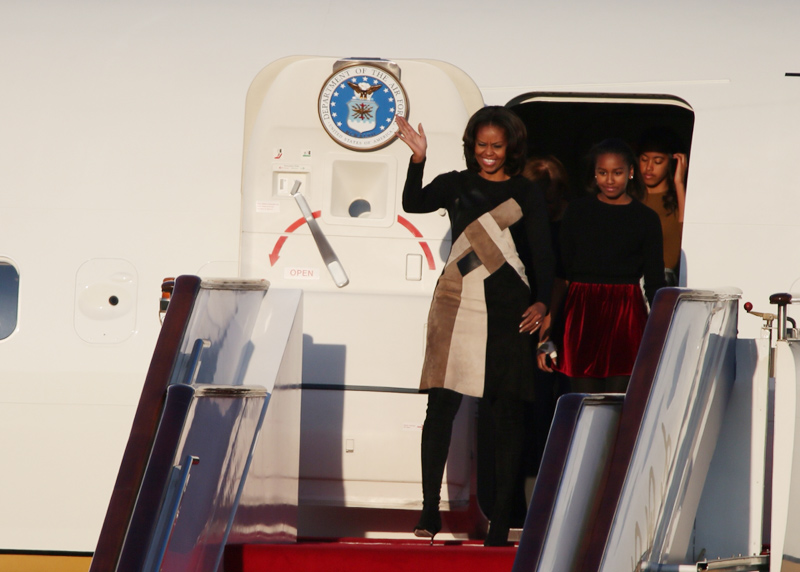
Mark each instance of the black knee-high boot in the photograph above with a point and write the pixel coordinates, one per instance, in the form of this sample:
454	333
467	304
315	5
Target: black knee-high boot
443	405
507	416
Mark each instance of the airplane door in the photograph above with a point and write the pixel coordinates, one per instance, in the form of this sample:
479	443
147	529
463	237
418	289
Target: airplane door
324	128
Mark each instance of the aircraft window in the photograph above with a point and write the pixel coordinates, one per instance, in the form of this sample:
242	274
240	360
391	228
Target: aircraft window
9	298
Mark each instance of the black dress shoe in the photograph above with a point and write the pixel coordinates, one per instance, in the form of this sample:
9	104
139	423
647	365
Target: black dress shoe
497	536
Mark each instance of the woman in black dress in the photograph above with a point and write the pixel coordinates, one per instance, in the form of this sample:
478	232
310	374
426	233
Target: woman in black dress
482	310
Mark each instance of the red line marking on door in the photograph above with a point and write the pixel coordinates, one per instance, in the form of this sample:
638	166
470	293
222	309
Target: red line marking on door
275	254
424	245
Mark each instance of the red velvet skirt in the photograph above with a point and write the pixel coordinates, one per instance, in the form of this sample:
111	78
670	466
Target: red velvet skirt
602	330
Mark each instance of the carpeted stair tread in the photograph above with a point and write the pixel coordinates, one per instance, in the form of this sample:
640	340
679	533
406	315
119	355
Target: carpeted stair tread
349	555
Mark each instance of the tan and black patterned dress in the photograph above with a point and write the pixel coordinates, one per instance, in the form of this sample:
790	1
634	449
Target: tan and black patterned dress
501	252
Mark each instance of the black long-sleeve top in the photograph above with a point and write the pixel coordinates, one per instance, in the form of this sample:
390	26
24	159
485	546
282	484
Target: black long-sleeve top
466	196
612	244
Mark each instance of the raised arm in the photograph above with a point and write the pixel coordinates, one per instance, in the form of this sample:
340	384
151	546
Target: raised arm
416	198
681	164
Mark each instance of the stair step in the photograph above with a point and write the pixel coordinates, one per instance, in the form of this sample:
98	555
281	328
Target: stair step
347	555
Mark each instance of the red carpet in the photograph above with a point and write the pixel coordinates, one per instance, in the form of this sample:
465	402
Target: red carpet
353	555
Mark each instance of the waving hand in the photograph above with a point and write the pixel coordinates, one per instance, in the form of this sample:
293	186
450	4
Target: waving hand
417	142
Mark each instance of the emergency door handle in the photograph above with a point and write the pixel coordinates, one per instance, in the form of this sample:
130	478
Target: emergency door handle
326	251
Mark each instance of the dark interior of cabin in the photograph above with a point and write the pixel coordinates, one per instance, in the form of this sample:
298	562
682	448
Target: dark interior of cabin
567	125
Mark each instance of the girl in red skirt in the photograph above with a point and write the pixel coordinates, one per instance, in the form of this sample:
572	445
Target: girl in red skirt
609	241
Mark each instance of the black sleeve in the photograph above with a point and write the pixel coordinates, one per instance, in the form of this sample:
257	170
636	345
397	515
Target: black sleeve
653	255
537	229
419	199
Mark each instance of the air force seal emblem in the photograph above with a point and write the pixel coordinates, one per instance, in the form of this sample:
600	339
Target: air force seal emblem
358	105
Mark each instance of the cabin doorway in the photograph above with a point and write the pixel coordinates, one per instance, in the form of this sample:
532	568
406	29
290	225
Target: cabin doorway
566	125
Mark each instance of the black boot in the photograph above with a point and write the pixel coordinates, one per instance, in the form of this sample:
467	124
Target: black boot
430	522
507	417
498	534
436	431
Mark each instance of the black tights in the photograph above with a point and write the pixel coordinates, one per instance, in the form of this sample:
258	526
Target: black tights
507	420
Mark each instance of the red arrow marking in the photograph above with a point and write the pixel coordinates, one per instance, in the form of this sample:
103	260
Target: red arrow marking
425	248
275	254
